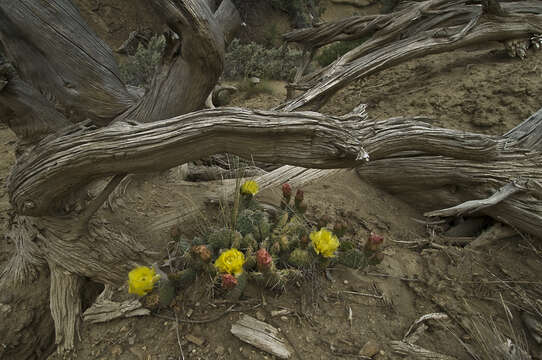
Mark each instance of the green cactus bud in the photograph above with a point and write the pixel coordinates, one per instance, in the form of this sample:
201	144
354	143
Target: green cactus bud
353	258
249	241
221	239
264	229
250	259
284	243
300	258
247	221
283	220
183	278
237	240
235	293
275	248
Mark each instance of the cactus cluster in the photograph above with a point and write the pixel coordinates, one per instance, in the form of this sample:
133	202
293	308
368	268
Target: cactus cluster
271	250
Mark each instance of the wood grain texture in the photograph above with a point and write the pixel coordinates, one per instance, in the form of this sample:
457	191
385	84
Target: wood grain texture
192	62
65	303
26	111
64	163
428	27
261	335
58	54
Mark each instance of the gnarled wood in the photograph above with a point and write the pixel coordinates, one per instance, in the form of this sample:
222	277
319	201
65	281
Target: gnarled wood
434	182
428	27
306	139
65	306
32	115
193	59
60	56
417	352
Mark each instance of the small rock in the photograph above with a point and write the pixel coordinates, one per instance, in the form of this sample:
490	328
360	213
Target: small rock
131	340
219	350
116	350
284	318
280	312
194	339
5	308
137	352
260	315
370	349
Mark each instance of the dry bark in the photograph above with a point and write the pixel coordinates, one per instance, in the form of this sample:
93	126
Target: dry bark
38	185
428	27
417	352
59	56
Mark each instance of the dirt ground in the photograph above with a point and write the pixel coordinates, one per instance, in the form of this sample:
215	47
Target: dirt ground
471	89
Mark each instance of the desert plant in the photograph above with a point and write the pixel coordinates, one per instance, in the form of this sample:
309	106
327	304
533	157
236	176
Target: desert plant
252	59
139	69
270	250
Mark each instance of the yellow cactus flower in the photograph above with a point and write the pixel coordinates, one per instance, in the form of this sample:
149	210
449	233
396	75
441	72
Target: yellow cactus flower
250	187
230	262
141	280
324	242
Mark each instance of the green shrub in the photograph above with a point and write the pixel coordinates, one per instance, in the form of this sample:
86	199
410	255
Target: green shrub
299	11
139	69
246	60
333	51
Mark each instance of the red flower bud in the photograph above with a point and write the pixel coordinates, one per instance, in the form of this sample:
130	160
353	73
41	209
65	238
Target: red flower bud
299	196
263	259
374	242
286	190
228	281
376	239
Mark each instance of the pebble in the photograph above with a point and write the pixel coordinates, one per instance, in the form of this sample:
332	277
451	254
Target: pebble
5	308
194	339
284	318
116	350
260	315
370	349
219	350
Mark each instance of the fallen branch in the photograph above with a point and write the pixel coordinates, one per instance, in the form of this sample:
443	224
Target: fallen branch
473	206
261	335
428	27
58	166
417	352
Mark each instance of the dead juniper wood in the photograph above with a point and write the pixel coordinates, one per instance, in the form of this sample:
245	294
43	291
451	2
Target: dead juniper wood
423	28
78	125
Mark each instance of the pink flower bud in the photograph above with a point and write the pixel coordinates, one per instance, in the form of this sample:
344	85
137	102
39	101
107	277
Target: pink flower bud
228	281
286	190
299	196
263	259
374	242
